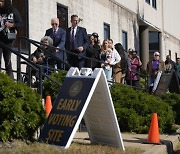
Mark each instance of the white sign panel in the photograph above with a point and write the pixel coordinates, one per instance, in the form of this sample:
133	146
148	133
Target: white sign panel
83	93
100	116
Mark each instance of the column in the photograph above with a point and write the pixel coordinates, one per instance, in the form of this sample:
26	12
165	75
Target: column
161	46
144	45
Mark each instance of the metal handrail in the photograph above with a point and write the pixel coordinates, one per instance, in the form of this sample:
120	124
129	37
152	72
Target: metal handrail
39	67
29	62
65	51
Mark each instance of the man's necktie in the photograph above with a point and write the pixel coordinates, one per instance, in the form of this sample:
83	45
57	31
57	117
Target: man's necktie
72	39
54	34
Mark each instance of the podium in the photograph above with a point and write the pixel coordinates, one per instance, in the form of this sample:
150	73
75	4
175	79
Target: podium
84	93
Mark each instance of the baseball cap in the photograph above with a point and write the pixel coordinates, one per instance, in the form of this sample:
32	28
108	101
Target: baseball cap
95	34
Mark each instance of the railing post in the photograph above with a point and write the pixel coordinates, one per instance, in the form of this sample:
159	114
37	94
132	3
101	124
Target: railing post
130	78
91	63
40	80
29	70
63	65
19	62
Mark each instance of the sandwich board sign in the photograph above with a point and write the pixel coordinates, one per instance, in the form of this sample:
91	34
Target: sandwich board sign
164	82
83	94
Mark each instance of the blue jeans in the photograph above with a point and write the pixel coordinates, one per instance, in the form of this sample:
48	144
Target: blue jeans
151	81
108	74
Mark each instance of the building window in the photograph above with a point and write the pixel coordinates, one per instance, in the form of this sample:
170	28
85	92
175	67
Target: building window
170	52
154	4
106	31
153	43
176	56
62	14
147	1
124	40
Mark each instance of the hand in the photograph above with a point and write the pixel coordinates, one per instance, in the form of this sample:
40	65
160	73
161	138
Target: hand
9	25
108	60
34	59
80	49
57	49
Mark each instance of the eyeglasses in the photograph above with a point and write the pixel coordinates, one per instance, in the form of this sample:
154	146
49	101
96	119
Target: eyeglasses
54	24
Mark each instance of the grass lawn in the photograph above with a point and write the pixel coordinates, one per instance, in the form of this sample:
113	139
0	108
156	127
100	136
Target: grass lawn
178	146
20	147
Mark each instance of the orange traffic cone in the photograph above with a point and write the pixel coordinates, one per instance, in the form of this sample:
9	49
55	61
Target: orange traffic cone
153	136
48	105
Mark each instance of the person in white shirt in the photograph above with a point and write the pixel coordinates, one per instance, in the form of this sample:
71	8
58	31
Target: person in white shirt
115	55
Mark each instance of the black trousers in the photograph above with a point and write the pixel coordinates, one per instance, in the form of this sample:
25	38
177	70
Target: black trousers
7	59
75	61
135	83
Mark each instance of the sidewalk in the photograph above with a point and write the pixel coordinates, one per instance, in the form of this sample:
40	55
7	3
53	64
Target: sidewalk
136	141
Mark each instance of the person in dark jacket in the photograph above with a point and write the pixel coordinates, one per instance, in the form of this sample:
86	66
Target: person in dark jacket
178	67
76	42
170	65
41	57
10	22
93	52
153	68
58	36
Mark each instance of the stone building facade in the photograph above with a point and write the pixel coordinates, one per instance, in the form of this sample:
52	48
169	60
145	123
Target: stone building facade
143	25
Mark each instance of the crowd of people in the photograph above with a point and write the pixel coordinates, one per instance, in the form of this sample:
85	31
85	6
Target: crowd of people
74	44
119	66
156	67
114	60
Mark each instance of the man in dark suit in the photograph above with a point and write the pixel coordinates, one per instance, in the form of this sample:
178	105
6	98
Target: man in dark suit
59	37
76	42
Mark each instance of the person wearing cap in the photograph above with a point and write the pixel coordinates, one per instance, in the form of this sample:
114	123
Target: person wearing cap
92	52
96	37
153	67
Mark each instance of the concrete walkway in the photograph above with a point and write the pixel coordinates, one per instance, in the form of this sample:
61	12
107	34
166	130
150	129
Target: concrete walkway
137	141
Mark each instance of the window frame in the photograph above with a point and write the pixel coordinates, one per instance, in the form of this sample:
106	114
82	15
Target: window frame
106	27
148	1
154	4
125	39
65	23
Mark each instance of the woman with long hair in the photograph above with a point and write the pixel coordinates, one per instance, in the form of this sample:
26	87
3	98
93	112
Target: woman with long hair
106	58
